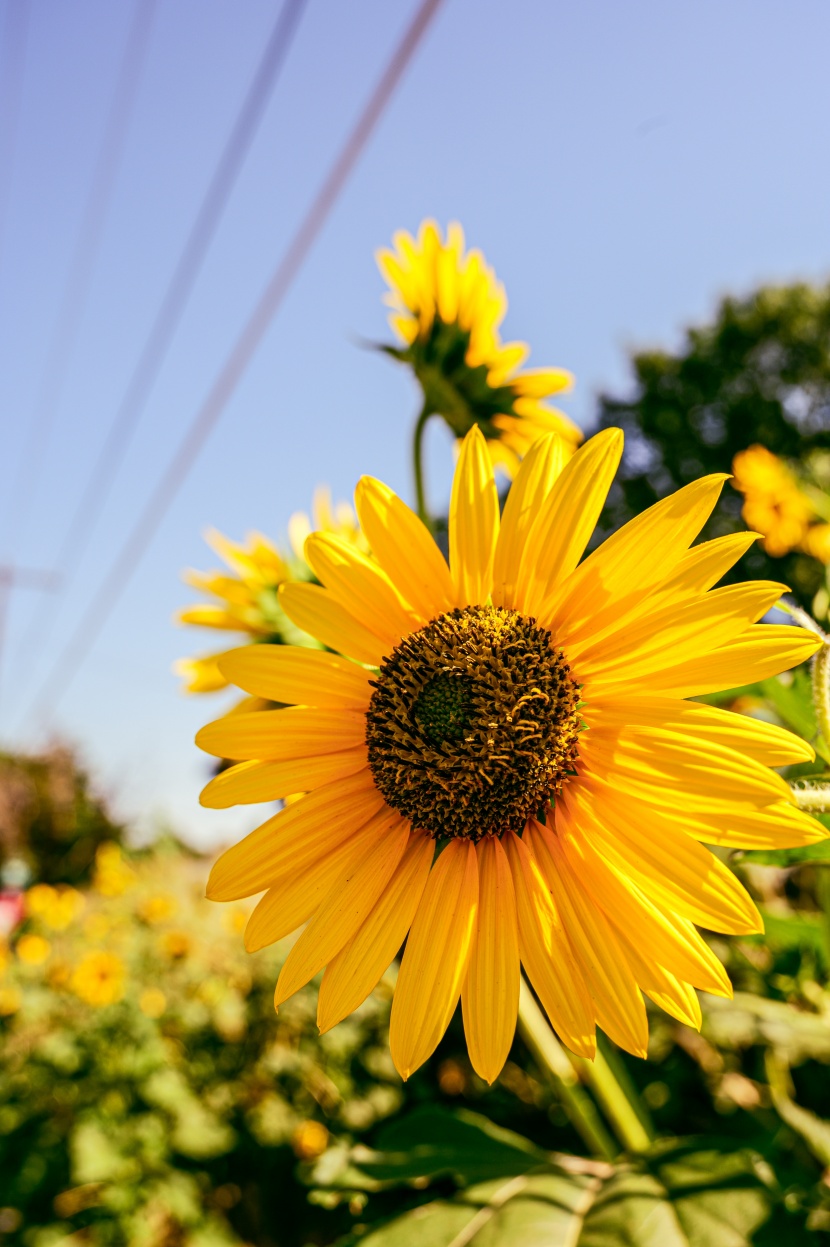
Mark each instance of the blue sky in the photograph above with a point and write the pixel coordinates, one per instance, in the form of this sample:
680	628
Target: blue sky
621	166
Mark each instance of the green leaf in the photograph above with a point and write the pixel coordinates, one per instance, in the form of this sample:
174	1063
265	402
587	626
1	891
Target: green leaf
680	1197
796	930
427	1144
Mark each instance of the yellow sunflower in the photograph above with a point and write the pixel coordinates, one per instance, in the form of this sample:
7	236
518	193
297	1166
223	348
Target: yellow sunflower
447	307
500	763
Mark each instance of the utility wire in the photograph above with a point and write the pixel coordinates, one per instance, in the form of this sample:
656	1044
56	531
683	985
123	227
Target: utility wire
70	312
78	532
13	41
125	564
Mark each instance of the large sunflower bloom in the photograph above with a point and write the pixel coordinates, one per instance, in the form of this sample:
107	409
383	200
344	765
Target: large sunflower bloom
447	307
500	762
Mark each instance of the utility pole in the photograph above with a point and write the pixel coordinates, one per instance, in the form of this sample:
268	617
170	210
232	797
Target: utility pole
13	577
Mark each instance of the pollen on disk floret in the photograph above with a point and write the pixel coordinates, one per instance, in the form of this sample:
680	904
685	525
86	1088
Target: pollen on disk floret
473	723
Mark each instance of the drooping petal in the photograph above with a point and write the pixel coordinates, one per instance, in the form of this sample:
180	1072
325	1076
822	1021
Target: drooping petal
672	869
294	732
617	1001
404	549
297	676
474	521
490	995
315	611
435	961
295	838
346	907
533	482
673	943
250	782
360	586
678	998
547	954
566	519
356	970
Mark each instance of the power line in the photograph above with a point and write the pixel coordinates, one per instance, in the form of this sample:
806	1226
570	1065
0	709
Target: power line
78	533
70	312
12	64
123	567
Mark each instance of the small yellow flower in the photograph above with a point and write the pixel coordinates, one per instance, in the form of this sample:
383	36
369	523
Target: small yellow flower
175	944
310	1140
152	1002
157	908
338	519
10	1001
113	874
99	979
773	503
33	950
816	542
39	899
447	306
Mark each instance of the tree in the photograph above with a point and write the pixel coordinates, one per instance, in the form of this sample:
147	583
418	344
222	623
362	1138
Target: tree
760	373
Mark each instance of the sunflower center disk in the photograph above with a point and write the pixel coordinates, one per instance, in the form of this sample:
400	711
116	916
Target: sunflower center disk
473	723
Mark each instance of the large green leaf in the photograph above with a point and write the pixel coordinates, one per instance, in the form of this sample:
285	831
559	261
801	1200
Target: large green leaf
680	1195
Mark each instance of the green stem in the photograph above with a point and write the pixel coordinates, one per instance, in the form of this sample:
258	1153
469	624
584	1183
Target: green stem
418	465
821	692
552	1058
608	1079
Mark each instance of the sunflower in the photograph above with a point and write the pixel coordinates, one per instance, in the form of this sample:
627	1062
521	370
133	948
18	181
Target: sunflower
500	762
447	307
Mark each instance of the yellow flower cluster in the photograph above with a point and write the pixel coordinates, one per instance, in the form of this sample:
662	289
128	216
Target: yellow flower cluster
56	908
245	602
776	506
446	308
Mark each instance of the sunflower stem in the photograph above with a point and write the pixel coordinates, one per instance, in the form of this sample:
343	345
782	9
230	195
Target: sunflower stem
554	1061
418	465
609	1080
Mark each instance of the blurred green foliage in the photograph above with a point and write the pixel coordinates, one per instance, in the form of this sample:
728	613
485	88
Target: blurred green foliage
759	373
51	818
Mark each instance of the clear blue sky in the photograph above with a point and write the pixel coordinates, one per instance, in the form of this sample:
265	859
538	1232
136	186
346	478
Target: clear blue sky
622	166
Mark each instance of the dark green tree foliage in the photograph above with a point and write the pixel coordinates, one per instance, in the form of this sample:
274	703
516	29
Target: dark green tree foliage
50	817
760	373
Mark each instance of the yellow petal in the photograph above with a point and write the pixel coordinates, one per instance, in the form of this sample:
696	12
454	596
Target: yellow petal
267	781
761	651
669	867
677	633
359	586
662	758
315	611
356	970
533	482
297	676
672	942
344	909
704	565
474	521
490	996
435	960
294	732
666	990
766	743
295	838
617	1001
404	549
297	894
547	955
540	382
631	562
566	520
